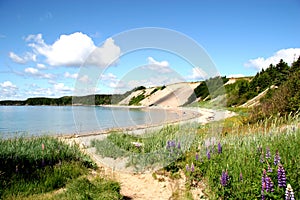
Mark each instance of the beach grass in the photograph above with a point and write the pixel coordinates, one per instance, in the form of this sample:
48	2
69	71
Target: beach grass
241	161
149	150
33	167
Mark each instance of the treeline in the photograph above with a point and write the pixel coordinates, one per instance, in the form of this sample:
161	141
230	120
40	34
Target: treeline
97	99
67	100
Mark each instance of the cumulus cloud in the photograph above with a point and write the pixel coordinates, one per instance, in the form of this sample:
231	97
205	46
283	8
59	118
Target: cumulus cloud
159	66
75	50
69	75
84	79
36	73
7	89
198	73
288	55
62	88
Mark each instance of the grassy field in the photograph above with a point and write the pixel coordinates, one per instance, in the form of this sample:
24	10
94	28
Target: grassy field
35	168
233	160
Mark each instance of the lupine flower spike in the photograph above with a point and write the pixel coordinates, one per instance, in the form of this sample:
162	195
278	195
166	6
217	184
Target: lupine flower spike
268	153
208	155
197	156
187	167
192	167
43	147
289	193
224	178
179	146
219	148
281	176
276	158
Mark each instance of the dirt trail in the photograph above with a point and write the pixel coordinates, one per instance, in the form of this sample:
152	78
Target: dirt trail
141	186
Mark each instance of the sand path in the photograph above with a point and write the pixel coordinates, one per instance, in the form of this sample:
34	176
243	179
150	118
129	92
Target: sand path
143	186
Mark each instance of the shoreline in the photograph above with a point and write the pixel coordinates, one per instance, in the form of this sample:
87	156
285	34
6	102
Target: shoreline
185	115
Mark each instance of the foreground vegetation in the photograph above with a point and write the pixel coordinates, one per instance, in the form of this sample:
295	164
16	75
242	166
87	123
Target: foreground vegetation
31	168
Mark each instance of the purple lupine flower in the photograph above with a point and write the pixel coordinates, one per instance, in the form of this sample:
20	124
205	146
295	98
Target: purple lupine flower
269	185
179	146
270	169
208	155
17	169
224	178
281	176
263	194
263	180
241	176
187	167
197	156
276	158
268	153
219	148
168	144
289	193
192	167
173	143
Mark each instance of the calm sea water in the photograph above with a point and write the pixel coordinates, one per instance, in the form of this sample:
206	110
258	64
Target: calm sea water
41	120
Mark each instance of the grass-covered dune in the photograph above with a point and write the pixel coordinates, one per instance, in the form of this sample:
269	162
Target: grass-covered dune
37	168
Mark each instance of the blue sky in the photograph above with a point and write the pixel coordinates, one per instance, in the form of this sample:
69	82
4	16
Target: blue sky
56	48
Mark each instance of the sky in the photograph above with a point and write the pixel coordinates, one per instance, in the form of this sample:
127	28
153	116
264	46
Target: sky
66	47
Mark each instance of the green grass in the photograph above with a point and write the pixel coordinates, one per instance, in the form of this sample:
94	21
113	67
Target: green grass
32	167
241	154
153	151
84	188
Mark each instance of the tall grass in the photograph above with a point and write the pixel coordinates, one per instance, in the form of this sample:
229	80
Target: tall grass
244	158
151	150
37	165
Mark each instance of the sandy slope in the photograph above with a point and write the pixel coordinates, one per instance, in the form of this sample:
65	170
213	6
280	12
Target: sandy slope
171	96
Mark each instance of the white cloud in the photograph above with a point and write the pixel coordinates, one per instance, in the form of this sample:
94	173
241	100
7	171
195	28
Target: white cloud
41	66
75	50
31	70
107	54
84	79
7	84
62	88
16	58
36	73
161	67
69	75
22	60
198	73
288	55
7	90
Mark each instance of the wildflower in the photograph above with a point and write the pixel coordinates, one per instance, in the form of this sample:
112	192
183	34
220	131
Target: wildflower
263	180
17	169
219	148
197	156
289	194
268	153
276	158
269	185
281	176
43	146
192	167
179	146
208	155
187	167
224	178
270	169
241	176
